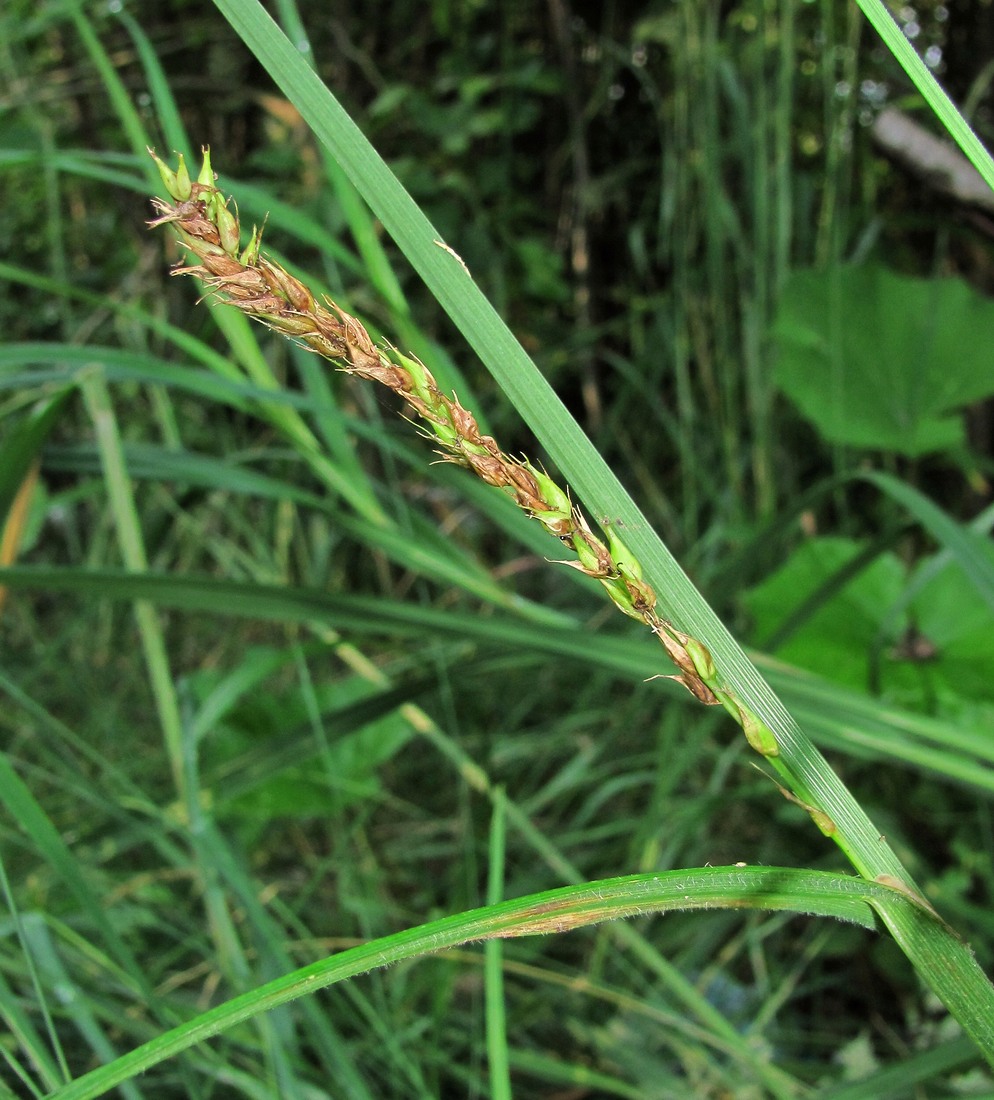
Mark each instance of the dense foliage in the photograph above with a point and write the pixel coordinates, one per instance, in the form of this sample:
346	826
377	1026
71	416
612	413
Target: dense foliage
772	334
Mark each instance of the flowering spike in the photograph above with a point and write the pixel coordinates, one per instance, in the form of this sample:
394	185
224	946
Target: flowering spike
260	288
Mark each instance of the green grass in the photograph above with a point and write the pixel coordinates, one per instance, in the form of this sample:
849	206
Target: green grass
285	702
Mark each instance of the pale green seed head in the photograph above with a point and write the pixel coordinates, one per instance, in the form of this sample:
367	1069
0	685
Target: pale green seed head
419	377
251	253
176	183
703	661
227	227
183	184
758	733
622	557
447	435
206	176
557	500
550	518
588	556
620	596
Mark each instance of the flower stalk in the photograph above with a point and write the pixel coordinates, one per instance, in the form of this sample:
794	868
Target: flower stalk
251	282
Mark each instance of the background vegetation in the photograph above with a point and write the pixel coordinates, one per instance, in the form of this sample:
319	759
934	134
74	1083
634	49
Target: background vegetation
665	201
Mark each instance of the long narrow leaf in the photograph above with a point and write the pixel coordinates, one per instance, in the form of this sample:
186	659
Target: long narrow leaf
570	907
876	12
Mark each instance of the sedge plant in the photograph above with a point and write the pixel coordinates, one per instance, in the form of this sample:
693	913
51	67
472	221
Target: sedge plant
883	892
248	280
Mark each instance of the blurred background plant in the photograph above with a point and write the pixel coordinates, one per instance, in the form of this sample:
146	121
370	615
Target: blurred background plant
772	333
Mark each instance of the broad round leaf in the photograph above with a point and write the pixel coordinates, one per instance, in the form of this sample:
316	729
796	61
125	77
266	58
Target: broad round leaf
875	359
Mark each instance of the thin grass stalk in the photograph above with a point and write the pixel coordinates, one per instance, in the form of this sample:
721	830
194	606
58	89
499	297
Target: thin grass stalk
841	92
497	1051
674	138
122	503
755	263
713	336
783	145
47	1056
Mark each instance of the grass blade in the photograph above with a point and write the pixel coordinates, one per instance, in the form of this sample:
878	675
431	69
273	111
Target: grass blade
820	893
883	22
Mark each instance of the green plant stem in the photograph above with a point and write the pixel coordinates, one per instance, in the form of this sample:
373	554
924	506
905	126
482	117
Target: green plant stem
493	951
122	504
